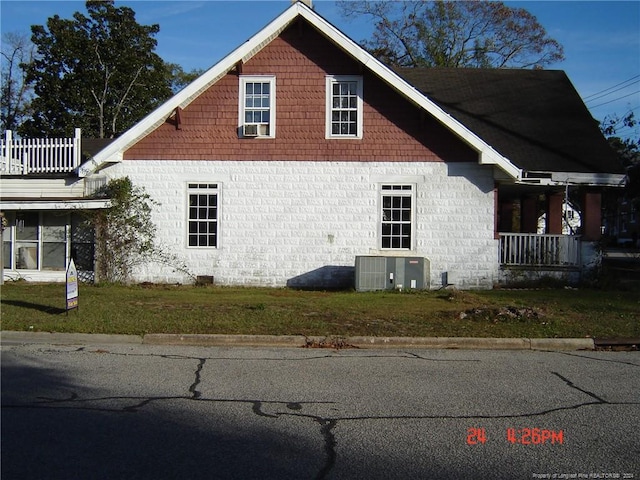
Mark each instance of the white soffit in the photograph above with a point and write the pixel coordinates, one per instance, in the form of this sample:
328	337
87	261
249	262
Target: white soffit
574	178
75	204
578	178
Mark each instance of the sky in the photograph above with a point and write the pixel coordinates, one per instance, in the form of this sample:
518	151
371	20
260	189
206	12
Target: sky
601	39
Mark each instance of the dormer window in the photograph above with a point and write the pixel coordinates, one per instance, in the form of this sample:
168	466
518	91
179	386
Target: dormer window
257	106
344	107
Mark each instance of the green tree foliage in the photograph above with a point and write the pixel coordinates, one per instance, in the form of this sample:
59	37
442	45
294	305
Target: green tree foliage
98	72
628	150
180	78
479	34
16	93
125	235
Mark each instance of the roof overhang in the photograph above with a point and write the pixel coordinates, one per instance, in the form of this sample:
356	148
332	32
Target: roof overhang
486	154
66	204
113	153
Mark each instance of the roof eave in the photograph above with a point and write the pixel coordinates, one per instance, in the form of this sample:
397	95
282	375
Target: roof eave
114	152
486	154
573	178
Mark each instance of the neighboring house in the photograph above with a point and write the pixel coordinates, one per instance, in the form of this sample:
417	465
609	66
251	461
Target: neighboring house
299	152
624	224
570	221
41	201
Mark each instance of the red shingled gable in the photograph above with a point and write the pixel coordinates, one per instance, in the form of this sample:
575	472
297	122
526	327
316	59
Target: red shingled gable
300	58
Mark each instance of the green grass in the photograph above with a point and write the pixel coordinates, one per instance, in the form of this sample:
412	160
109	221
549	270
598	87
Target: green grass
142	309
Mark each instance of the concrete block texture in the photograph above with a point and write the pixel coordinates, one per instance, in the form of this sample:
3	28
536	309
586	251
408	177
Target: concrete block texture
302	224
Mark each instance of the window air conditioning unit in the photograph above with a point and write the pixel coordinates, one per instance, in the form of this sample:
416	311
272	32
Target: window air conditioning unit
255	130
390	273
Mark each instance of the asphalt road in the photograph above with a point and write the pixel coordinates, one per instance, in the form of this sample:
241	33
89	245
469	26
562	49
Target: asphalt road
122	411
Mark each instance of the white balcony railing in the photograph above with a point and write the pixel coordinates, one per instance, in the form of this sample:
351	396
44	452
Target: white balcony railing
39	155
531	250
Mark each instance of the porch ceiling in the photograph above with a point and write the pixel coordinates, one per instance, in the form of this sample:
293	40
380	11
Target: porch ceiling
508	191
54	204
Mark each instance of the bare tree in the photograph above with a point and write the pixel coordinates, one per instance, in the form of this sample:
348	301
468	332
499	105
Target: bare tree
15	106
442	33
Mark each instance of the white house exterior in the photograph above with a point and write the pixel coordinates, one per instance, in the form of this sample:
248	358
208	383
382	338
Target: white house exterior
303	223
299	152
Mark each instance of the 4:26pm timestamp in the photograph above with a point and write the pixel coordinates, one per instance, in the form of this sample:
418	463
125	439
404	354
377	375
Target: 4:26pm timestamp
535	436
519	436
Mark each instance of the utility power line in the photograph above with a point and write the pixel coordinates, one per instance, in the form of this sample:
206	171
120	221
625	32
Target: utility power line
612	92
632	80
615	99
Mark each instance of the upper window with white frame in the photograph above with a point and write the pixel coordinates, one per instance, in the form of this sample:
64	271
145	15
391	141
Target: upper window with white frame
397	222
203	214
257	106
344	107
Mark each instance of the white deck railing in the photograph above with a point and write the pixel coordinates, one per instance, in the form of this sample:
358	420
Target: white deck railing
39	155
531	250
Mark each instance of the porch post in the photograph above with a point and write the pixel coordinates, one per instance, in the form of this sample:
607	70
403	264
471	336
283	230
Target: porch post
505	223
1	248
555	202
76	155
529	214
591	216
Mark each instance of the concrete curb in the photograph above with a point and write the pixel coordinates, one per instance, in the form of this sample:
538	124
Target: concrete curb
441	342
299	341
68	338
373	342
562	344
224	340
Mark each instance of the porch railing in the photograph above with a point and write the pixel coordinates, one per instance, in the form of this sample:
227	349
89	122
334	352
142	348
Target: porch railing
39	155
531	250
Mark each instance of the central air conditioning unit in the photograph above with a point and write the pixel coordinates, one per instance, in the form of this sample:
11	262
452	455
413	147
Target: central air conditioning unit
255	130
390	273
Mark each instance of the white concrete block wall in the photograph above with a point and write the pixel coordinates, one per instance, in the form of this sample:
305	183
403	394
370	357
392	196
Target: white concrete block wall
284	221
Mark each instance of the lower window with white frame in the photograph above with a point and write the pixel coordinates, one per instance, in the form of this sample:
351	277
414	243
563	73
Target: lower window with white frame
397	227
203	214
36	240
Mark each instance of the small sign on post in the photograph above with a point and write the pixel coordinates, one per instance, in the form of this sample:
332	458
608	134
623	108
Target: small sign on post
72	286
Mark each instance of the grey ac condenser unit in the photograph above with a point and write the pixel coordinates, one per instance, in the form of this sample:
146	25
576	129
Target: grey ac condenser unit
389	273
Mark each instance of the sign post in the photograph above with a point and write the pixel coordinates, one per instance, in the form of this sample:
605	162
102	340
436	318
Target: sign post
72	286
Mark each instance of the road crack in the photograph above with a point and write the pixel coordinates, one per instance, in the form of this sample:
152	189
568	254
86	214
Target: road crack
575	387
193	388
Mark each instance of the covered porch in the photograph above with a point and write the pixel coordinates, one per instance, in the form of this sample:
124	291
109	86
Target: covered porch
42	206
548	231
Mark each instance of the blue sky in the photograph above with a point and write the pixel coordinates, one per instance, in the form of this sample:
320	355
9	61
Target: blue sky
601	39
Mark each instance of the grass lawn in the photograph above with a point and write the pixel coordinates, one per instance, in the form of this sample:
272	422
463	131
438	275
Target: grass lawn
142	309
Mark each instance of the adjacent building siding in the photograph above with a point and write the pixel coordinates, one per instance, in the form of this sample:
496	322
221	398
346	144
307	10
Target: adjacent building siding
41	188
302	223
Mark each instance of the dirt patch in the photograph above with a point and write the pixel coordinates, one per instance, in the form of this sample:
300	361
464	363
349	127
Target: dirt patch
336	343
503	314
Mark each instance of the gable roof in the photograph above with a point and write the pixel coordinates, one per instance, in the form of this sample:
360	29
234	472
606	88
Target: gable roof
114	151
477	134
533	117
